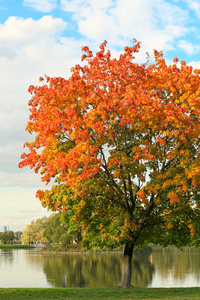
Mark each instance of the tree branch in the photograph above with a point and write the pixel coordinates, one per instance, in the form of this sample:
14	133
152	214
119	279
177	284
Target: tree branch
109	174
144	216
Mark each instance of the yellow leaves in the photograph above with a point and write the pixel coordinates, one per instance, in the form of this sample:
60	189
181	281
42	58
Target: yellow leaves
167	184
142	196
126	228
161	176
175	60
174	198
57	205
114	121
183	188
82	203
73	218
183	63
118	159
194	174
99	127
142	153
84	233
160	140
137	157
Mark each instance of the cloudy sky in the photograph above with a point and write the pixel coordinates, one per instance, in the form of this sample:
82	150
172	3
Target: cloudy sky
40	37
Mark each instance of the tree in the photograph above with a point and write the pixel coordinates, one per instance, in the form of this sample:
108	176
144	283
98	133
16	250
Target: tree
7	237
55	232
121	140
33	233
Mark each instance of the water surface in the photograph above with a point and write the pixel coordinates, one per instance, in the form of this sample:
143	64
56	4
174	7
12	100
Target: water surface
167	267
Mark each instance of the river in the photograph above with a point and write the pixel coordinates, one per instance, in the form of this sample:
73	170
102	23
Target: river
167	267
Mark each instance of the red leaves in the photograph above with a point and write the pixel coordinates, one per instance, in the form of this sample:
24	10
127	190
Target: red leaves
31	89
83	57
175	60
174	198
89	53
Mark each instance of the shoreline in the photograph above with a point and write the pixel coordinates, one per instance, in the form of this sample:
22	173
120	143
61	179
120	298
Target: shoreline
81	252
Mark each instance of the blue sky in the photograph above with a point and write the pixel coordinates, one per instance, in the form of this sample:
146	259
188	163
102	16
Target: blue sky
40	37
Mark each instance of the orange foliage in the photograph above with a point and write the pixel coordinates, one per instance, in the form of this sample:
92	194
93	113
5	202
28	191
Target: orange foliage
116	128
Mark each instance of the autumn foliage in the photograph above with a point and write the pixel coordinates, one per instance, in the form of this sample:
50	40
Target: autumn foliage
122	142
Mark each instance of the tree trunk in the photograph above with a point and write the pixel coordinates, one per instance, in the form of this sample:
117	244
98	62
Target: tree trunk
126	266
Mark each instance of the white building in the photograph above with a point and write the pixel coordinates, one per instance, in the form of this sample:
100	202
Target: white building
3	229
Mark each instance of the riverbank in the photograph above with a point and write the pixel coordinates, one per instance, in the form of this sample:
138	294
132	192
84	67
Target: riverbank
57	248
15	246
99	293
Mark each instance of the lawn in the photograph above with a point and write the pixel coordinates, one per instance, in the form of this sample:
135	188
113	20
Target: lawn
99	293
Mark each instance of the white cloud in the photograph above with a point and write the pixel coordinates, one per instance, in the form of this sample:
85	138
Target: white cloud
32	49
18	177
13	199
195	64
156	23
92	29
17	32
195	6
79	5
188	47
41	5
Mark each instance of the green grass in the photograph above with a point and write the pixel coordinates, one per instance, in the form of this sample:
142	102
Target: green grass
99	293
59	248
78	248
15	246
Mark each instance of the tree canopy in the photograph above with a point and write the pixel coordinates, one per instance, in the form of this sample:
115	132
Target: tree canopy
121	140
33	233
49	230
7	237
55	232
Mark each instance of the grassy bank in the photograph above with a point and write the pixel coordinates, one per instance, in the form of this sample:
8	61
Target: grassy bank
15	246
99	293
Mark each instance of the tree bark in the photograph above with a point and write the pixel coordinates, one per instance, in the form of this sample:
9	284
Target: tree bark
126	266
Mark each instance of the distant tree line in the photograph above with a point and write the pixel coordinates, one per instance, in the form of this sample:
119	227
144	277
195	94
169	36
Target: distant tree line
7	237
49	230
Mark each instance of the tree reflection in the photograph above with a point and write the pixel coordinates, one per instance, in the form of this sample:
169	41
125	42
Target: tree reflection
177	263
143	270
104	270
6	256
83	270
92	270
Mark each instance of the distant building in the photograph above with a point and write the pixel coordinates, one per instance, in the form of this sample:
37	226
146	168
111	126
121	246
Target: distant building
3	229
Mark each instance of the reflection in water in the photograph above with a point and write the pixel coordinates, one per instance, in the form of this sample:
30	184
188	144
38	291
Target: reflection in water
142	269
162	268
177	267
6	256
15	272
82	270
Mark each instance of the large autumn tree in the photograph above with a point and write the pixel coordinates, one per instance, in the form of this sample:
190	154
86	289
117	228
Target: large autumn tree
121	141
